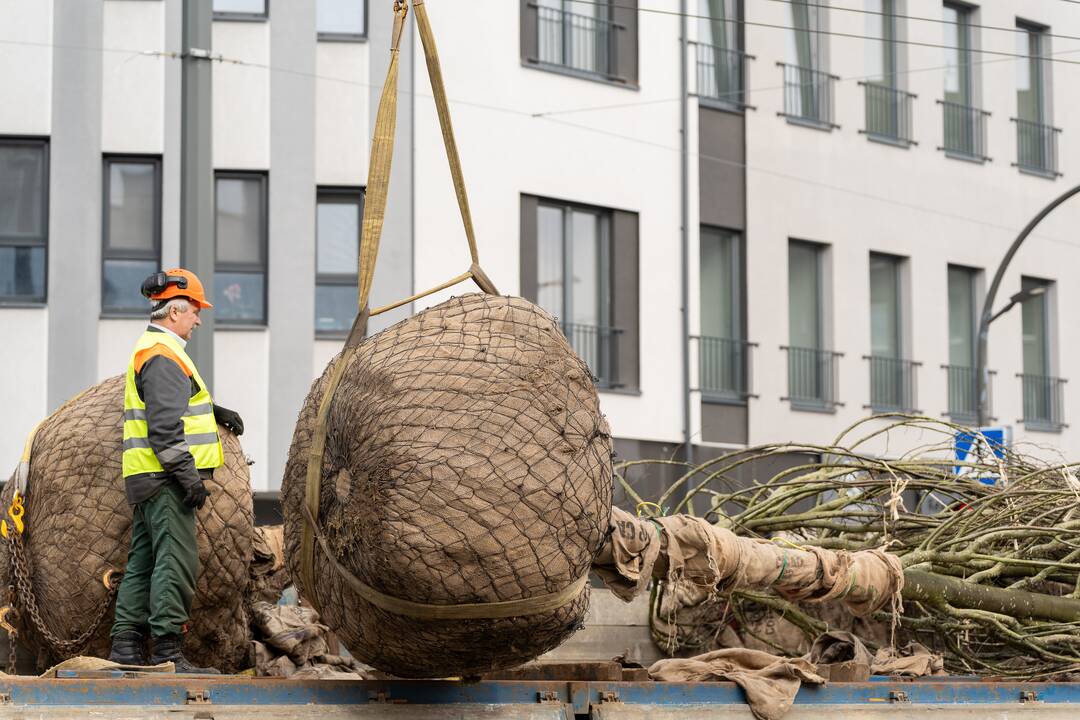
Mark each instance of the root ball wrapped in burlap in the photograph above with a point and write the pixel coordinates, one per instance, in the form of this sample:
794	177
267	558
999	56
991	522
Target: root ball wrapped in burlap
466	461
78	526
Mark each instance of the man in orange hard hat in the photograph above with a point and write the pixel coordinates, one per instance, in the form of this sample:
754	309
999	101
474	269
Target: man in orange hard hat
171	447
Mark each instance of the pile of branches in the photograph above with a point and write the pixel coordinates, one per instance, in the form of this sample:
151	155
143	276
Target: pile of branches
990	544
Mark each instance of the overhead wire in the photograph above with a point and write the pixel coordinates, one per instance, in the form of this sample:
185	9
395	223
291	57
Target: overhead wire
820	31
938	20
602	131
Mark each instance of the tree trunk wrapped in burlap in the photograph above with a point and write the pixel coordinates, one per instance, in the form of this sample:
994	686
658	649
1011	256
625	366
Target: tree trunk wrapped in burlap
78	526
466	461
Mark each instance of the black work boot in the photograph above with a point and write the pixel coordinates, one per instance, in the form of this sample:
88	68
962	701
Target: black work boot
128	648
167	649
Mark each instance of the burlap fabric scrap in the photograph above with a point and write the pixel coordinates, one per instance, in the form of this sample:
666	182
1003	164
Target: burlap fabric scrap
292	643
771	682
682	549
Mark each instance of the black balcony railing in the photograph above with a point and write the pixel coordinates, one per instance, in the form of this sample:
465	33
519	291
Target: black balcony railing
964	394
892	384
888	113
808	95
722	74
1044	401
965	130
579	42
1036	147
598	346
724	368
813	378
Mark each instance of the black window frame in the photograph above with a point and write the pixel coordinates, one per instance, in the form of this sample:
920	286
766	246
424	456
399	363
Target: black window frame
264	231
623	268
107	253
625	45
341	194
20	241
242	16
344	37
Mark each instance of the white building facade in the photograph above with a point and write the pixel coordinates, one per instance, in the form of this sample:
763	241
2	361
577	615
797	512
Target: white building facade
854	175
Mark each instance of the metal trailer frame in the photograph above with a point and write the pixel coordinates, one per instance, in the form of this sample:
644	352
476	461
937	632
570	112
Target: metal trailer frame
109	692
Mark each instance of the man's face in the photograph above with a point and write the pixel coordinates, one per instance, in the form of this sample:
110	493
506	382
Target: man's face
185	321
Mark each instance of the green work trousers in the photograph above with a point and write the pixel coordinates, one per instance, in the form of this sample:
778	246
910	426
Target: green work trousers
163	562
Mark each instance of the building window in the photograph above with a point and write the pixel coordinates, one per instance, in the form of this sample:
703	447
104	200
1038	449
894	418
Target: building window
888	107
338	215
240	9
1036	139
341	19
24	219
962	380
808	88
591	39
723	353
812	369
964	124
892	376
131	222
580	264
1042	392
721	62
241	233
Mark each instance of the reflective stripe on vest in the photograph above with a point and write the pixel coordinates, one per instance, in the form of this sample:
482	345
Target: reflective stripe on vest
200	428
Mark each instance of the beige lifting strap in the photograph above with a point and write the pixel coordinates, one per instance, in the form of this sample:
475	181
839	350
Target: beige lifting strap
382	152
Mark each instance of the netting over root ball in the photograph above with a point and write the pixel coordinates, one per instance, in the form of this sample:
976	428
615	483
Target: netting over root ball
78	526
466	461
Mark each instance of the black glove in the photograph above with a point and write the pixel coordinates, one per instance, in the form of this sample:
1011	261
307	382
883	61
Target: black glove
230	419
196	495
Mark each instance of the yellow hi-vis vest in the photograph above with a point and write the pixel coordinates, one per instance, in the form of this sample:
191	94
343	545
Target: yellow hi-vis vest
200	428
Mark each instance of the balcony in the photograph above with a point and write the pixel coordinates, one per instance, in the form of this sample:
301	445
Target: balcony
1036	148
888	114
808	96
1044	402
580	43
965	131
813	378
892	384
721	75
598	346
963	383
724	368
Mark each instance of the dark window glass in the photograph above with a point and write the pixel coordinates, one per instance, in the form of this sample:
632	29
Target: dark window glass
241	235
339	212
239	220
132	232
24	184
121	282
131	208
252	8
341	18
22	190
22	273
240	296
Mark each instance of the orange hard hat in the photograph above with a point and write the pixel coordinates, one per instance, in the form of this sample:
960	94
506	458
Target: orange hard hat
177	282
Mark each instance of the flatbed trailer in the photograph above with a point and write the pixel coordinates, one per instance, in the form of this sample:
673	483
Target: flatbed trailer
113	695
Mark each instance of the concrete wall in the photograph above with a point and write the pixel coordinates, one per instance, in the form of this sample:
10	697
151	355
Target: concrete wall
26	65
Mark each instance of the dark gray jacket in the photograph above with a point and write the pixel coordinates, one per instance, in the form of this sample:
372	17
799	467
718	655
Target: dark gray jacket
165	389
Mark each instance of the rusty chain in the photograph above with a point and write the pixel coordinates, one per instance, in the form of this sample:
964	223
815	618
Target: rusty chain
25	593
12	633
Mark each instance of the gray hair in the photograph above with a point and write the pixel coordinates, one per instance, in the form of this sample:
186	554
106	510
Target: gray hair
162	312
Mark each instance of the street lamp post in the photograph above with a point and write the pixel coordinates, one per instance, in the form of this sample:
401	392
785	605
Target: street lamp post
988	315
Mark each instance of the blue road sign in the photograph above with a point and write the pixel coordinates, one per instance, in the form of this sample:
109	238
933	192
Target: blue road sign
976	445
